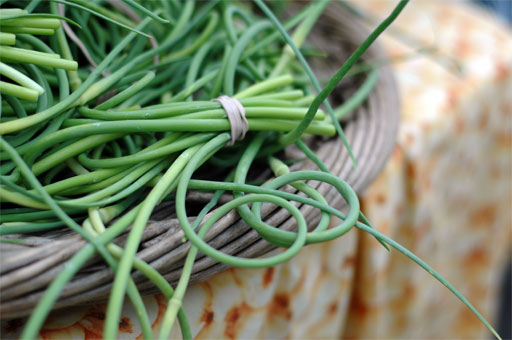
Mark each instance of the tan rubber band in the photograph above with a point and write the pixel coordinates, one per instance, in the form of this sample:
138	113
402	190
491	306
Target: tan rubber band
236	115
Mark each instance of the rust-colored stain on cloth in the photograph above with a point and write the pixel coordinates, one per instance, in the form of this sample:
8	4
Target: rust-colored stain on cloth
280	306
483	215
359	307
94	334
267	277
403	301
207	317
348	262
66	333
333	308
502	71
234	319
125	325
93	323
477	258
380	198
162	306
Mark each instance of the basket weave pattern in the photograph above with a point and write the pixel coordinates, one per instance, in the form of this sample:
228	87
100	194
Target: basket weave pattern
371	131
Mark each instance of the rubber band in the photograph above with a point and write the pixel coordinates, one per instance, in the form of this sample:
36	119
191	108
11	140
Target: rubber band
236	115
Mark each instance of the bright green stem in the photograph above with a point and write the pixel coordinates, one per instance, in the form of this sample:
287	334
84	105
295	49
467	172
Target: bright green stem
265	86
279	168
430	270
76	167
71	151
25	56
59	212
177	298
160	282
218	82
19	77
51	294
198	184
42	116
247	37
7	38
359	96
333	82
205	35
81	179
95	221
183	20
300	34
171	124
259	45
130	91
18	91
144	10
49	23
74	79
103	13
194	86
148	154
28	30
7	12
119	286
19	199
290	138
318	162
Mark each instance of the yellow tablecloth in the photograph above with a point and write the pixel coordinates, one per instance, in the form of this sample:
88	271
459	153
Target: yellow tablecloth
445	195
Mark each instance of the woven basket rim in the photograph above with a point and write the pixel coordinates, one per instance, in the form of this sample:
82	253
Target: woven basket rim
371	131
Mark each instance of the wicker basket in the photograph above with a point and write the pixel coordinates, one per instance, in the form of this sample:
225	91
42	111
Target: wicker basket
371	130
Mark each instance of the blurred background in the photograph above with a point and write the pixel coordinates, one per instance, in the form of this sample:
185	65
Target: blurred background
446	193
503	10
